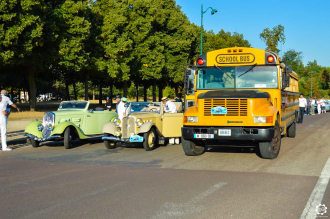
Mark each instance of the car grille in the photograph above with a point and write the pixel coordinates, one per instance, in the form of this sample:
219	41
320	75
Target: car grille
235	107
128	127
48	119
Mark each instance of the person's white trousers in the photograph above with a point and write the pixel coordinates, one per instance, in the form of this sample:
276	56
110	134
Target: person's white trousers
3	129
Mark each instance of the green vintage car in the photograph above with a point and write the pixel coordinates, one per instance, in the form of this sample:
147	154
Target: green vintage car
72	120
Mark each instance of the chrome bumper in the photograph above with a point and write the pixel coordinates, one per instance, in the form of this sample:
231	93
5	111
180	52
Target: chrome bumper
53	137
109	138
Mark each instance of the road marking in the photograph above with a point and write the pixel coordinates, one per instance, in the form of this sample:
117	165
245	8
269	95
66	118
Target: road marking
178	210
317	195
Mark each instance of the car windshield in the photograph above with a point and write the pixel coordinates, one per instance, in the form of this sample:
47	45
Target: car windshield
237	77
144	107
73	105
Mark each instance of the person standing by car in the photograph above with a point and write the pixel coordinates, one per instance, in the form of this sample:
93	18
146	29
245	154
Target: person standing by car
308	106
120	109
319	106
125	101
313	106
323	105
302	108
3	125
118	99
108	104
6	100
169	105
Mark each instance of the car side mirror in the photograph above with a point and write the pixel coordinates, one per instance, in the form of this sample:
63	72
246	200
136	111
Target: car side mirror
91	110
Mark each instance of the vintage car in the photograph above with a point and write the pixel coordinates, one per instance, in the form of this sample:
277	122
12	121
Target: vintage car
148	125
72	120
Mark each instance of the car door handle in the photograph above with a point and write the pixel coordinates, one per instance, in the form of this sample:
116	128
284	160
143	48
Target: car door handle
88	116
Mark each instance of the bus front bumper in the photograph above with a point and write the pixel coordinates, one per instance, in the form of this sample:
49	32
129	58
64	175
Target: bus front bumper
228	133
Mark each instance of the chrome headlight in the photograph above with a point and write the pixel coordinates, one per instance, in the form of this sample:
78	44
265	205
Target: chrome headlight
40	127
50	127
139	122
117	122
117	133
192	118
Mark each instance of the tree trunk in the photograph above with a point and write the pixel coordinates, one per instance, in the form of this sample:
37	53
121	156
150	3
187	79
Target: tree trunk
160	92
137	92
111	92
176	87
86	87
125	88
74	90
93	93
145	98
32	94
154	91
100	94
67	90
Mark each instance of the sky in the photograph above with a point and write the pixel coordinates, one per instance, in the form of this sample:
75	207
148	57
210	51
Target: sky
306	23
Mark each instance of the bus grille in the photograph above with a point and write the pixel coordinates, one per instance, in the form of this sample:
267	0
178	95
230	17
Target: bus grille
128	127
235	107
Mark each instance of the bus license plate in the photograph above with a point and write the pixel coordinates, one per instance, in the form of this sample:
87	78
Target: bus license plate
224	132
203	135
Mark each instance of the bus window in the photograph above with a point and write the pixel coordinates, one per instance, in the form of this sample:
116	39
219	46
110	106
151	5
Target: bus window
257	77
216	78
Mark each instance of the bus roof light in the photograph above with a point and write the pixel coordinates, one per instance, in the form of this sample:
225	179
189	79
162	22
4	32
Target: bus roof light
240	50
234	50
200	61
270	59
229	50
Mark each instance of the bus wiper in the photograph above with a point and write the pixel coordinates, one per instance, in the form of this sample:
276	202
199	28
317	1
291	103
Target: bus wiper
248	70
223	71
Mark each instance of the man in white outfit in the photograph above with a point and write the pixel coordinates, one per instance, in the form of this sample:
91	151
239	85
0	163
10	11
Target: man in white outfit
169	105
6	100
3	125
120	109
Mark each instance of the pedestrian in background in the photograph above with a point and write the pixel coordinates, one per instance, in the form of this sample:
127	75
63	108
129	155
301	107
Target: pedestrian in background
323	105
125	102
313	106
6	100
3	125
319	106
108	104
302	108
308	106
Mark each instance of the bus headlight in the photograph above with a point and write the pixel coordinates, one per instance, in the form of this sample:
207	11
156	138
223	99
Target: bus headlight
263	119
192	119
117	122
39	127
139	122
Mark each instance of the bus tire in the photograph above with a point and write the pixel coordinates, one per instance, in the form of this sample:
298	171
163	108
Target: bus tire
291	132
270	150
191	149
150	140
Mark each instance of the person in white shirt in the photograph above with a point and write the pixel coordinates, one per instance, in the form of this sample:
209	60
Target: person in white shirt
319	106
3	125
121	109
313	106
6	100
302	108
322	101
169	105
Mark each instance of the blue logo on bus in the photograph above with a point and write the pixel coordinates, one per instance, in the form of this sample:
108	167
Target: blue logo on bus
219	110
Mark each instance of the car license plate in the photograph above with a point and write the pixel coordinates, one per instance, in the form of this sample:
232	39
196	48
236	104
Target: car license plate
203	135
224	132
136	138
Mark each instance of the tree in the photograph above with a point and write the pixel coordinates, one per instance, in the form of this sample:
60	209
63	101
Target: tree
273	37
293	59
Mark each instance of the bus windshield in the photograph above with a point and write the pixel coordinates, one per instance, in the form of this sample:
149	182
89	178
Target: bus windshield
237	77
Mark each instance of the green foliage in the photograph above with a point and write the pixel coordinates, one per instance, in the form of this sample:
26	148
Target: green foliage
273	37
168	92
293	59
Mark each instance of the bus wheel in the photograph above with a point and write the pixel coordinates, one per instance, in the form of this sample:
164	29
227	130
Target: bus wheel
270	150
291	132
191	149
150	140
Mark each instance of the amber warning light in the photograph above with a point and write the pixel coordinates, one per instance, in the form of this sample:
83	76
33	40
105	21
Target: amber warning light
200	61
270	59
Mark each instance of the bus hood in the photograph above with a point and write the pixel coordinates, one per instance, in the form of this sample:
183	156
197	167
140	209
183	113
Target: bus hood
233	94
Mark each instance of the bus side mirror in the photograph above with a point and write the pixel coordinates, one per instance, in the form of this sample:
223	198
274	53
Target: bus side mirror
286	77
189	81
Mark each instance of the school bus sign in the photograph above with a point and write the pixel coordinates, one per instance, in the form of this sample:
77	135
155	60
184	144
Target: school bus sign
235	59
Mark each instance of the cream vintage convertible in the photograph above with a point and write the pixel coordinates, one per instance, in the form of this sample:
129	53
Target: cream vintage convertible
145	123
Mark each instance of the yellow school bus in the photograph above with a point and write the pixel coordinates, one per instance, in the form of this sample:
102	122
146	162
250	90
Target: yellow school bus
242	94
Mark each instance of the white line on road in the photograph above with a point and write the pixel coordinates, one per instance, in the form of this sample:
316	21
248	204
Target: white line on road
317	195
178	210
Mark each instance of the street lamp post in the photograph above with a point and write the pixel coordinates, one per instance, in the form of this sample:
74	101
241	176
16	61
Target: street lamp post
213	11
312	82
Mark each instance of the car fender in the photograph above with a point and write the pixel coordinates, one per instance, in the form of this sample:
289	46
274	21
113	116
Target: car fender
59	129
146	127
31	128
109	128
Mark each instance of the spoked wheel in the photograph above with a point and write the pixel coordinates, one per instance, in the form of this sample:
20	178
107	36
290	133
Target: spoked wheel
67	138
270	150
34	143
150	140
191	149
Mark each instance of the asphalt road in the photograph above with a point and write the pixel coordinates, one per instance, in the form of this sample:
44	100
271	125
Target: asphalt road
90	181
